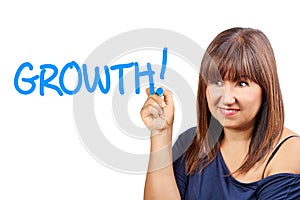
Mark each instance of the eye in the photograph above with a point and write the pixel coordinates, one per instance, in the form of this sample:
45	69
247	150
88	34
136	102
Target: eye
218	83
243	84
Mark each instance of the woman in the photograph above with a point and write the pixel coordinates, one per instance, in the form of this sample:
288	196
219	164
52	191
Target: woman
240	148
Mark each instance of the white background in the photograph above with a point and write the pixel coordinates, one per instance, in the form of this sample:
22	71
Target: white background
41	155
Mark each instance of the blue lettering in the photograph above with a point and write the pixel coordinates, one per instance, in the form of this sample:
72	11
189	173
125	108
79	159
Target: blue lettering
148	73
45	82
97	79
62	74
82	74
164	64
28	80
121	67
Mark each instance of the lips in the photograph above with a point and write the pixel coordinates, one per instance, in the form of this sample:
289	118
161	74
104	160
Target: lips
228	111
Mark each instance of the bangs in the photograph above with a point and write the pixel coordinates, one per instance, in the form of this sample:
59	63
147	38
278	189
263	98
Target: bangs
231	63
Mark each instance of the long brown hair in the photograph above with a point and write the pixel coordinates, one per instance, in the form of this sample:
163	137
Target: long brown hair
233	53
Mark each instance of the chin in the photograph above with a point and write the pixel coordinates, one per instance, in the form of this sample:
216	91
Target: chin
230	125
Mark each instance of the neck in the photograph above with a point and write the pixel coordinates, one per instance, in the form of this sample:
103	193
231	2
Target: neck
237	139
235	147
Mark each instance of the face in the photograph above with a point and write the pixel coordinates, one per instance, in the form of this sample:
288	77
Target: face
234	104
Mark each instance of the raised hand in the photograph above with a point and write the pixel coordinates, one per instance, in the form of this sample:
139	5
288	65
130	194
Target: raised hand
158	112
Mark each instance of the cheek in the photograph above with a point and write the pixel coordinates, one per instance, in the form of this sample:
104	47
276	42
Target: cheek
209	97
254	99
258	100
258	95
212	101
213	95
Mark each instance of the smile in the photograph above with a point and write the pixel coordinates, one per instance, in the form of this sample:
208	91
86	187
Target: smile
228	111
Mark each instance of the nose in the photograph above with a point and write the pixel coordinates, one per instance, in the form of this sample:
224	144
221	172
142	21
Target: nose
228	97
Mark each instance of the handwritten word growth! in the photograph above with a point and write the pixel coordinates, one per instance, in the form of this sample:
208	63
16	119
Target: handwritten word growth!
45	82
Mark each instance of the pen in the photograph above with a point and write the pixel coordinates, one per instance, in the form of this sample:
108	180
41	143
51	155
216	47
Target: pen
159	91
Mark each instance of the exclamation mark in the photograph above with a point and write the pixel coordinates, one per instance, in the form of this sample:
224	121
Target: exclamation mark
159	91
164	64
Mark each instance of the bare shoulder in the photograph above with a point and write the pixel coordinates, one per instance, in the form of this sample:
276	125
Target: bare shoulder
287	158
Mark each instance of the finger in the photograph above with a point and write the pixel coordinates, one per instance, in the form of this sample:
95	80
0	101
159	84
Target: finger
157	98
148	91
156	91
150	111
168	97
152	102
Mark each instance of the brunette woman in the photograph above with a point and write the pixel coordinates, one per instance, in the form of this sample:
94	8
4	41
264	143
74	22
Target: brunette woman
240	148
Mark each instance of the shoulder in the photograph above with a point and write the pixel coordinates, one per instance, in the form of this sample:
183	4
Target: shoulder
287	158
183	141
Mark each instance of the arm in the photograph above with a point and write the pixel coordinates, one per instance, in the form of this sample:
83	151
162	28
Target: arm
157	114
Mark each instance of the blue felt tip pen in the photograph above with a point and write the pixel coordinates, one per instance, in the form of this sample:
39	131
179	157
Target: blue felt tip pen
159	91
